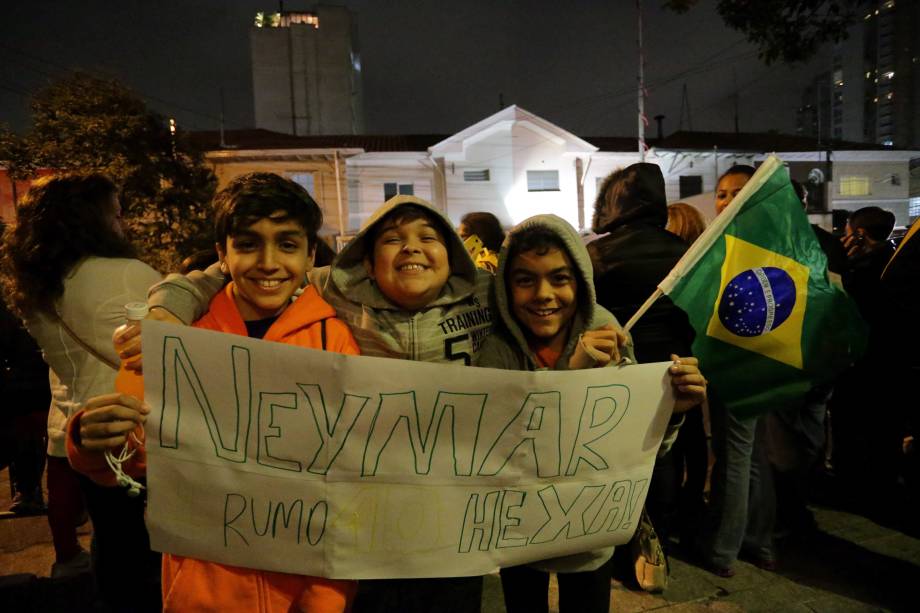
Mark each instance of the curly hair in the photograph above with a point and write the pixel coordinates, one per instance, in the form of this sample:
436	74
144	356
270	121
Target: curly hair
61	220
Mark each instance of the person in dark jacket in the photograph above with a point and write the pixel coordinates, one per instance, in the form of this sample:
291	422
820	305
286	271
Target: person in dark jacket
629	262
869	451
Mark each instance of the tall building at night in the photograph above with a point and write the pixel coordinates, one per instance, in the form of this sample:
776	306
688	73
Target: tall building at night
306	72
872	93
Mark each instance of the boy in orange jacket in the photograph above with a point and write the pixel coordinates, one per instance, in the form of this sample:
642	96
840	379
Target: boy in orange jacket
266	229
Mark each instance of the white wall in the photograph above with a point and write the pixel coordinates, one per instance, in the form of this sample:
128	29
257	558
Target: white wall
882	192
365	187
492	153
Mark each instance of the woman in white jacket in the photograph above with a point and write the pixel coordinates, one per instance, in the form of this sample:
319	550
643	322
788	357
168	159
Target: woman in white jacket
68	271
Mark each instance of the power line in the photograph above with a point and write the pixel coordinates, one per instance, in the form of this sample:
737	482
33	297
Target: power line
66	69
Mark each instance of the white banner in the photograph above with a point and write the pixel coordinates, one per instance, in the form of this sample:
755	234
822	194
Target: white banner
275	457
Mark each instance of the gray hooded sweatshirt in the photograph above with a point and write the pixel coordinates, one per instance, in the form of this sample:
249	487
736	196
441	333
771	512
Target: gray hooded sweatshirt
449	329
507	347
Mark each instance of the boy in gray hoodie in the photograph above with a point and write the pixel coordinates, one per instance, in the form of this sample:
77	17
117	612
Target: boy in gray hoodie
547	318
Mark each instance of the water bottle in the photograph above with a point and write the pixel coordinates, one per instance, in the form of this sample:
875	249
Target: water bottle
127	381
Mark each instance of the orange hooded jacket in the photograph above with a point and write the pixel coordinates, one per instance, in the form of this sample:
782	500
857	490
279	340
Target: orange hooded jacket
190	584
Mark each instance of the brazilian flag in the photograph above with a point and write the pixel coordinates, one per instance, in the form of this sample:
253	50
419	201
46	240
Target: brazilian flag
769	323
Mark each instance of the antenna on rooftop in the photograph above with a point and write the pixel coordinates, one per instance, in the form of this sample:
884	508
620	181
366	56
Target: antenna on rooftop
223	144
685	107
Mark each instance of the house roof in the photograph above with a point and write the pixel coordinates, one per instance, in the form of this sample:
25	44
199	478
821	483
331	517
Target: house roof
754	142
454	145
439	144
266	139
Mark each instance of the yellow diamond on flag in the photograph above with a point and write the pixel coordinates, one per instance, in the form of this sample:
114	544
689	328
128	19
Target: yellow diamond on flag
761	302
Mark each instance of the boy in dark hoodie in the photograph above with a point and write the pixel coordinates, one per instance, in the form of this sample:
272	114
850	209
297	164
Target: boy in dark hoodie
548	319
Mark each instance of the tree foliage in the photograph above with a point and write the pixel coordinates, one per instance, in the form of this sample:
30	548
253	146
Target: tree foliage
87	123
788	31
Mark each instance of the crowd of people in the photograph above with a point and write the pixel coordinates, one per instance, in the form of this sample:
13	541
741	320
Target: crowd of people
556	304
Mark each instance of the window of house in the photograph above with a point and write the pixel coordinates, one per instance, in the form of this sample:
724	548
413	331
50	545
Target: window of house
303	179
913	208
393	189
476	175
854	186
690	185
543	180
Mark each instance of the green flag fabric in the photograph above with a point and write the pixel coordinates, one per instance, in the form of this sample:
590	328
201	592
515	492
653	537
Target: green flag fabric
769	323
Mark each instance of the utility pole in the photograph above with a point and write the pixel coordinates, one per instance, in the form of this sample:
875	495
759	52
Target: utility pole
642	120
223	143
685	105
735	83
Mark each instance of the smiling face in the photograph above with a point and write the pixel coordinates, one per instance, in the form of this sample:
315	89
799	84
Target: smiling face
728	188
268	261
410	263
544	294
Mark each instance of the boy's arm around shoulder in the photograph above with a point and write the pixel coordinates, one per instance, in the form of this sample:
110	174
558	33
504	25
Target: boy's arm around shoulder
187	296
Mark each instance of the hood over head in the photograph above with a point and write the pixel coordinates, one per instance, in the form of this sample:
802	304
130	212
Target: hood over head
587	316
350	275
634	193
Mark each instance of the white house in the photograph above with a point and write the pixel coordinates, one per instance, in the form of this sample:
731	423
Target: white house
515	164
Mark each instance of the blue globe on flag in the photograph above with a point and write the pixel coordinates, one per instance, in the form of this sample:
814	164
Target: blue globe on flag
757	301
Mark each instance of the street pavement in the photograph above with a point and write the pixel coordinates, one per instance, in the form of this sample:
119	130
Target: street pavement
852	564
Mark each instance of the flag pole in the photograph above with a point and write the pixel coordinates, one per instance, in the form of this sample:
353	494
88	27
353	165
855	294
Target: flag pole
642	309
709	236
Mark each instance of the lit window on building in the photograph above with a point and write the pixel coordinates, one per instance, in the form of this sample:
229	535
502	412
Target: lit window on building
890	95
303	179
476	175
543	180
285	20
889	5
394	189
889	74
854	186
913	207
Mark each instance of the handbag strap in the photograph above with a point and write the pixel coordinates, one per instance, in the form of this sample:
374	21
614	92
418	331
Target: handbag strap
84	344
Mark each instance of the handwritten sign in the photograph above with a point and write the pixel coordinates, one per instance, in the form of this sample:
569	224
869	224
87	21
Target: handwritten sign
275	457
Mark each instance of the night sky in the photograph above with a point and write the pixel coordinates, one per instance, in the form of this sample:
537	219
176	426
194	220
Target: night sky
429	66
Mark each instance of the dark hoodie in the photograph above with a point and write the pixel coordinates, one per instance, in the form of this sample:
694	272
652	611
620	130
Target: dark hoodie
635	256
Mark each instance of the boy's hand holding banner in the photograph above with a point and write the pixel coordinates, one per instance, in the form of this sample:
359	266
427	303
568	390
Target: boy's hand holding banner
270	456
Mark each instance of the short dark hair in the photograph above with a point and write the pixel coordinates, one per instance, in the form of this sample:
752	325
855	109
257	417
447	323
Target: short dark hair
259	195
738	169
61	220
487	227
876	222
537	239
405	213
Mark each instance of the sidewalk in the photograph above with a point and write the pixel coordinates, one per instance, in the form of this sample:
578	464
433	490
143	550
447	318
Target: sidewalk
852	564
